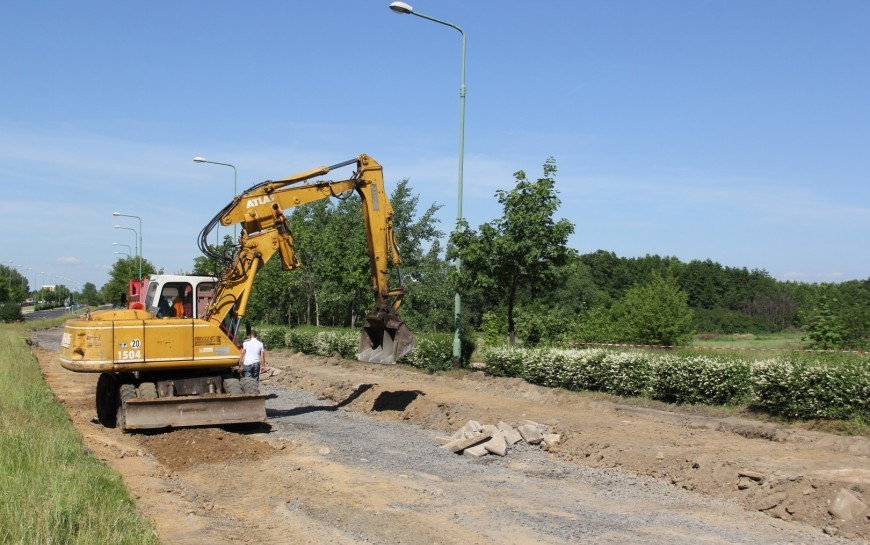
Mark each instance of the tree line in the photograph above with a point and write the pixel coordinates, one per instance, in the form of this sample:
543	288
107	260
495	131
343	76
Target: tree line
519	280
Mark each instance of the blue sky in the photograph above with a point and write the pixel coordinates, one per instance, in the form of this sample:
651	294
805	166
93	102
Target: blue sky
734	131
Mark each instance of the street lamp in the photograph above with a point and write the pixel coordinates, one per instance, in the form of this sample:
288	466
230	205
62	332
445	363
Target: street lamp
235	178
138	251
406	9
129	249
140	237
135	236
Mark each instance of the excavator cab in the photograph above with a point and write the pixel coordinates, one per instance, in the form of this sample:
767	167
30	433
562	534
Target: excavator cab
384	338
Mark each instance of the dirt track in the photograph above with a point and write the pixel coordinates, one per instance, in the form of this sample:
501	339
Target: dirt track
349	456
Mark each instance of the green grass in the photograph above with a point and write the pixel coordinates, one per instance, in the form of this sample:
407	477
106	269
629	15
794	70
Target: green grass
53	491
750	341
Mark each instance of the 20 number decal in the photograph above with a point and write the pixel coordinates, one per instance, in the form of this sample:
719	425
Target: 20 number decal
134	354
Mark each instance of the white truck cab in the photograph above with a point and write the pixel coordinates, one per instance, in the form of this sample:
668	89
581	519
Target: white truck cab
161	290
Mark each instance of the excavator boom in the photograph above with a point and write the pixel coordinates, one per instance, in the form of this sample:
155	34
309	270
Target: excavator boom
261	213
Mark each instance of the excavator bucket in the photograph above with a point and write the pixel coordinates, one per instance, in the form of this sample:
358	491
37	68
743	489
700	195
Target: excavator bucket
384	339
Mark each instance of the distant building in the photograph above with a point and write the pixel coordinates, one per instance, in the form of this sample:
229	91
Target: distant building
49	287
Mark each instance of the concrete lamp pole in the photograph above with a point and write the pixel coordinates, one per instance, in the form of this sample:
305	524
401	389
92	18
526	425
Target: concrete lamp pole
406	9
235	182
140	236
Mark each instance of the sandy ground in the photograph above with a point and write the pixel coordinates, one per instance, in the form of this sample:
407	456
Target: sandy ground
349	455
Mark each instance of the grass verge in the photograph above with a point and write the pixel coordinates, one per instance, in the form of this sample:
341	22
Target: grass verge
54	491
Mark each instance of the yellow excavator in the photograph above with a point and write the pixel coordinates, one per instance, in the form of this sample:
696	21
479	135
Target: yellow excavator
158	371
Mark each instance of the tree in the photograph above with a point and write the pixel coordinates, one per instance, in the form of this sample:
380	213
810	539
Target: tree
90	295
123	270
520	248
656	313
824	329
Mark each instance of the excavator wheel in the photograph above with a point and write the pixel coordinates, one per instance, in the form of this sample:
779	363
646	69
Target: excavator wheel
147	390
126	392
250	385
232	386
107	399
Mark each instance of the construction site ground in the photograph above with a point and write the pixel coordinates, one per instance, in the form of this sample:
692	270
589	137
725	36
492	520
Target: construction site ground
349	455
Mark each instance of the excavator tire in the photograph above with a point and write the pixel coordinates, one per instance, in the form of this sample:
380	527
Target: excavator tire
250	385
232	386
107	399
147	390
125	393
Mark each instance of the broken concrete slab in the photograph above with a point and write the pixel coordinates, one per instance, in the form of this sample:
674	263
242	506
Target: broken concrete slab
552	439
846	506
476	451
472	426
541	427
531	434
512	436
462	444
496	445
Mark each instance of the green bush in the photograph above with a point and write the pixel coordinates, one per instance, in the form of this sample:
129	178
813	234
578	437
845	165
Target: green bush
803	386
794	385
344	341
11	312
432	351
505	361
625	373
699	379
271	336
300	339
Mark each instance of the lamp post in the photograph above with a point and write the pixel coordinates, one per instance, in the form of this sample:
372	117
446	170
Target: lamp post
135	236
235	180
139	234
406	9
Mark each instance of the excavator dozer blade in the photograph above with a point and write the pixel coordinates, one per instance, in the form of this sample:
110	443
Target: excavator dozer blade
384	338
142	414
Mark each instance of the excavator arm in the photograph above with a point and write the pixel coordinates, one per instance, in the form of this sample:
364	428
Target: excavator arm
261	213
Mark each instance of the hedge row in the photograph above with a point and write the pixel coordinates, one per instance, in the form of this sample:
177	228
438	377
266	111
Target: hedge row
792	385
432	351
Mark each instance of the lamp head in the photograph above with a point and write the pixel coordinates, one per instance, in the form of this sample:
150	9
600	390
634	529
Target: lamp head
116	213
199	159
118	227
401	7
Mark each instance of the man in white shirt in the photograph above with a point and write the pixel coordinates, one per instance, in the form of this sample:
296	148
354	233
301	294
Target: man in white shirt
253	356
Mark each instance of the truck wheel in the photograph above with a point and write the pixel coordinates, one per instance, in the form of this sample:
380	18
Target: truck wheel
250	385
107	399
147	390
232	386
125	392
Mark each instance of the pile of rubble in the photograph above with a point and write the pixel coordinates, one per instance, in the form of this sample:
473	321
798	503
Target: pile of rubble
476	440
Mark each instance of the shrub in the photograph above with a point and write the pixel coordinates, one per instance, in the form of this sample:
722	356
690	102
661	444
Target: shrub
505	361
345	342
699	379
11	312
433	351
271	336
300	339
625	373
802	386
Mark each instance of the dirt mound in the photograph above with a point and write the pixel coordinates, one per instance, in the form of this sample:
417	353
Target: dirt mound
180	449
